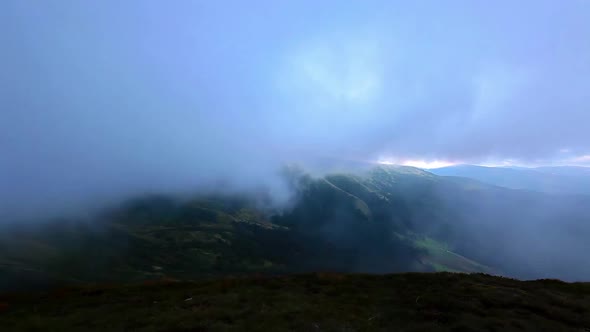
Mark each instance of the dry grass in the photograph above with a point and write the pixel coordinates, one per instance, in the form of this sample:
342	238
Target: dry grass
316	302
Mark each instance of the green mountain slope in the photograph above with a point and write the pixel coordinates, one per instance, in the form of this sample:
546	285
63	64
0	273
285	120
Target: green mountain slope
388	219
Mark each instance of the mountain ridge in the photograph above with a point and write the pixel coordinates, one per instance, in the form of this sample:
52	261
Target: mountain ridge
386	219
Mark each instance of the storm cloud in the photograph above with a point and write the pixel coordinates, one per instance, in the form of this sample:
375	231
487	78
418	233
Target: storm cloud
111	97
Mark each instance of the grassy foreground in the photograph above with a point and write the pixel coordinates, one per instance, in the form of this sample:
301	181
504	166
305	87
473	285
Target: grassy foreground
312	302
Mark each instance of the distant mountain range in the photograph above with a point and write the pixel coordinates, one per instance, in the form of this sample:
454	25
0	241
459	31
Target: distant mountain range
559	179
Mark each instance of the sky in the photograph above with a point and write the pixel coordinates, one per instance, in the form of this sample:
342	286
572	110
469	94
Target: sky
109	96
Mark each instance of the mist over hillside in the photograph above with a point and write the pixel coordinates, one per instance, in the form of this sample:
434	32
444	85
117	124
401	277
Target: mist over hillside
381	220
292	145
106	100
245	161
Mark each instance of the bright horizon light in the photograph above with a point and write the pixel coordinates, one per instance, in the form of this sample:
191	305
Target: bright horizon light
579	161
427	164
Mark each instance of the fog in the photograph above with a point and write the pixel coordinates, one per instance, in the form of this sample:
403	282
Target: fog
104	99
